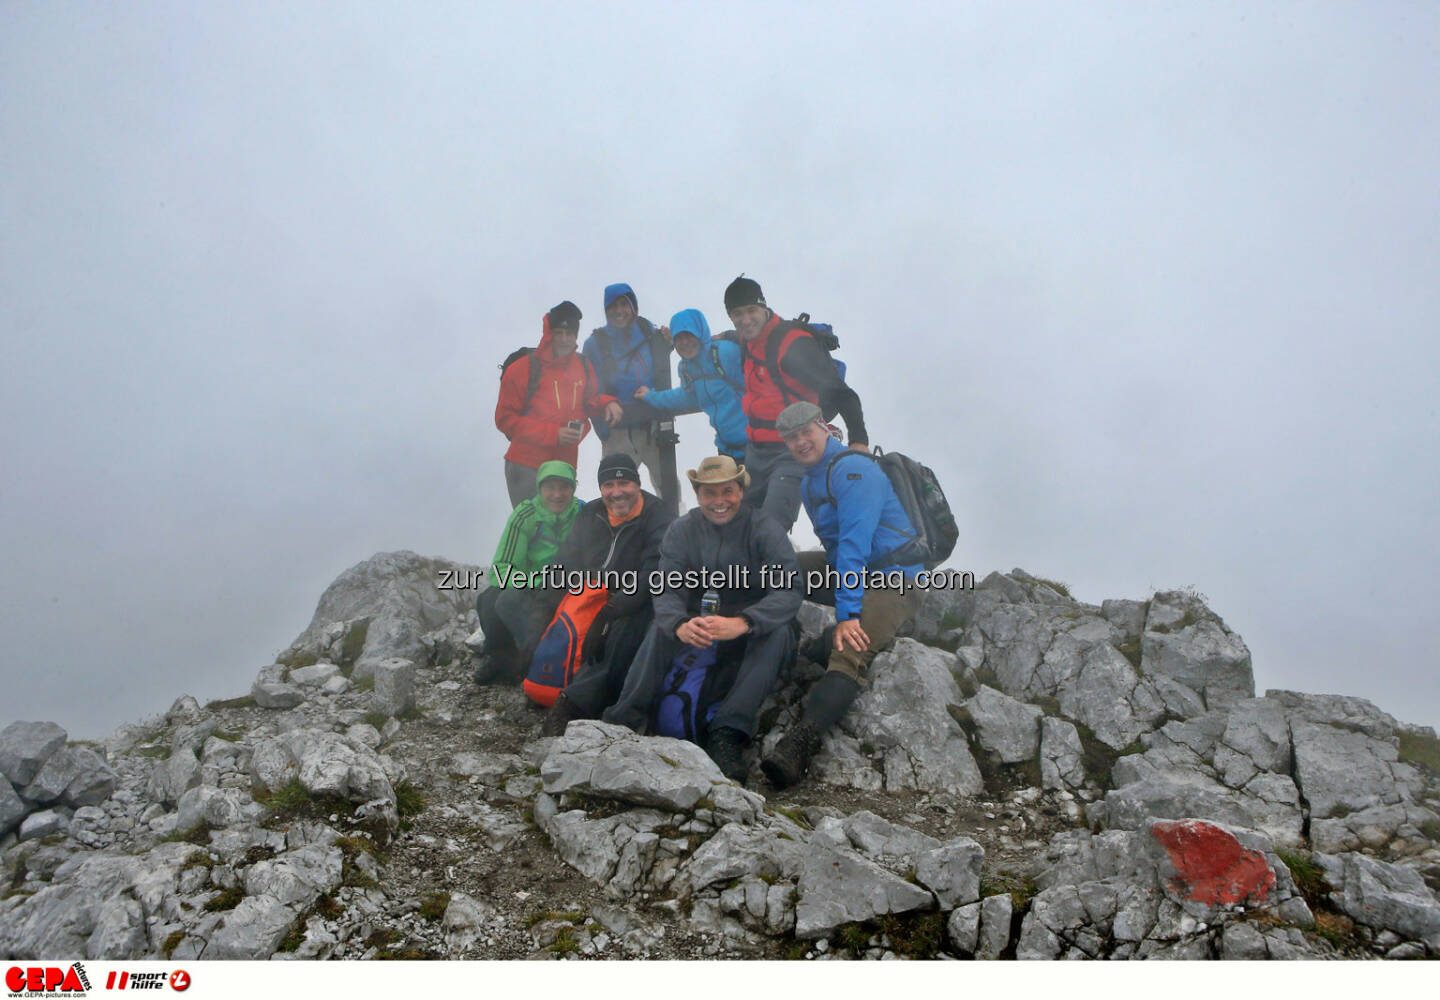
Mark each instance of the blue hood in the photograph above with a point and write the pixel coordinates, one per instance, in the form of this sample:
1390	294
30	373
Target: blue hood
691	321
613	292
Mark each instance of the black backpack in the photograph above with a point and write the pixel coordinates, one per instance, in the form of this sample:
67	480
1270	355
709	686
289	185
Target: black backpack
822	333
925	505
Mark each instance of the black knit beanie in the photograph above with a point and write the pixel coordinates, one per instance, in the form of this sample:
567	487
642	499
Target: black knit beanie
567	314
743	291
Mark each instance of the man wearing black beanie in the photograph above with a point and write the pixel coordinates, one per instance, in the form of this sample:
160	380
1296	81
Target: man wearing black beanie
784	364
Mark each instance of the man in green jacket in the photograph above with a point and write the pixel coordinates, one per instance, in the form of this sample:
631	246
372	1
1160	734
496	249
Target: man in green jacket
530	540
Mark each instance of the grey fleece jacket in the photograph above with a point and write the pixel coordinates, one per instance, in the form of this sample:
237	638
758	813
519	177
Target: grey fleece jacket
747	543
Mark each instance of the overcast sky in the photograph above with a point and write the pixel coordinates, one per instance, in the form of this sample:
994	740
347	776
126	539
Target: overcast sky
1153	289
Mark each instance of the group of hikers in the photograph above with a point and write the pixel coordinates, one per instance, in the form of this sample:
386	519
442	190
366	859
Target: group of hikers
696	656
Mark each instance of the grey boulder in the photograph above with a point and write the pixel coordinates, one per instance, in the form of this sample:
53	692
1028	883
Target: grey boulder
25	747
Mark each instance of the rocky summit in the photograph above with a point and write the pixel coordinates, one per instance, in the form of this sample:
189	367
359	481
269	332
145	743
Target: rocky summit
1026	776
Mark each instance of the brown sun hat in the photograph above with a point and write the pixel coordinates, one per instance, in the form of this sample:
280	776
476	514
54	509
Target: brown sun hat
719	469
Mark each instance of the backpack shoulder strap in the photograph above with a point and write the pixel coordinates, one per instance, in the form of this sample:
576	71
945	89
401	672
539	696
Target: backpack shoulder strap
829	493
532	383
780	337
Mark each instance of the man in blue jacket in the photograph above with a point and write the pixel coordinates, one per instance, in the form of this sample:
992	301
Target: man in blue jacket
868	574
628	353
712	379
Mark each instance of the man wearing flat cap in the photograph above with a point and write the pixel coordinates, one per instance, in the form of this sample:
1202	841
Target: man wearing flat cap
744	556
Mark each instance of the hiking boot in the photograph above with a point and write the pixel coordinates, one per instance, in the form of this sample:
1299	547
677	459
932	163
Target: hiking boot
790	759
495	668
561	714
726	748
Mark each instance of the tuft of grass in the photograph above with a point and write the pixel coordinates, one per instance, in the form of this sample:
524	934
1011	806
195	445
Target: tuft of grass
1338	930
327	907
1130	649
228	736
1054	585
433	906
376	719
408	800
244	701
197	860
915	935
794	815
228	899
293	658
1431	829
568	916
365	684
289	801
794	950
157	752
354	642
172	942
1309	877
199	834
854	937
1099	758
565	942
1021	888
1422	751
257	853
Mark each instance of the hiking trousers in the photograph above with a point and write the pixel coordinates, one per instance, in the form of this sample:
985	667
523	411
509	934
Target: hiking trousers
774	481
520	482
641	443
882	613
600	678
507	617
763	658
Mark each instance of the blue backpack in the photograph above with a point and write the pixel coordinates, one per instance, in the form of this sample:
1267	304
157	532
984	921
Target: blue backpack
688	692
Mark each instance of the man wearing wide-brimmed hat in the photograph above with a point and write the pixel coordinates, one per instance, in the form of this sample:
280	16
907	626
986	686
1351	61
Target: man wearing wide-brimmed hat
746	558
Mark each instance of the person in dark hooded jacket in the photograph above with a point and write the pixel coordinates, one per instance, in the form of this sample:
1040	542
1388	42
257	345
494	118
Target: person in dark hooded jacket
712	379
547	424
748	554
617	536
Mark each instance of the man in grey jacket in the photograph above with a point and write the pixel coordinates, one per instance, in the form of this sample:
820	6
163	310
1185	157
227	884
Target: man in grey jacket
747	559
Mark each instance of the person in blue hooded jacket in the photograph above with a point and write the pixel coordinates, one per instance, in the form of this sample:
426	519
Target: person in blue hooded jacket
628	353
712	379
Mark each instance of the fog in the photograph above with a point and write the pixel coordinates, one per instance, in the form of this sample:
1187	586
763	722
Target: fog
1152	290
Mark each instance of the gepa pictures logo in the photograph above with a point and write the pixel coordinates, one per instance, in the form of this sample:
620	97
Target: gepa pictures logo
46	981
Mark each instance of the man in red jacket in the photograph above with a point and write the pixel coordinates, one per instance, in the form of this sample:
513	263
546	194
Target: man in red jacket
542	411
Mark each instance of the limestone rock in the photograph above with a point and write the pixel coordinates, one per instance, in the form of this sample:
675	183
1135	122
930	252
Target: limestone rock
45	823
952	871
314	676
903	714
12	808
119	931
1381	895
298	877
1061	755
963	928
25	747
880	839
465	920
394	687
612	762
1008	728
330	764
838	886
251	931
399	597
1186	641
996	916
174	776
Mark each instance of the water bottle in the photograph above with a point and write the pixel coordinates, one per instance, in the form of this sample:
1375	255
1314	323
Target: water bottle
710	603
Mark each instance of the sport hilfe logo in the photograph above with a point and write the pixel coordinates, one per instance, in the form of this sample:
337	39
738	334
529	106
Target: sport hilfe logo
179	980
46	980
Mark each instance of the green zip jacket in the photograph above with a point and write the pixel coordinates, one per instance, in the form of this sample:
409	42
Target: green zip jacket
533	534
